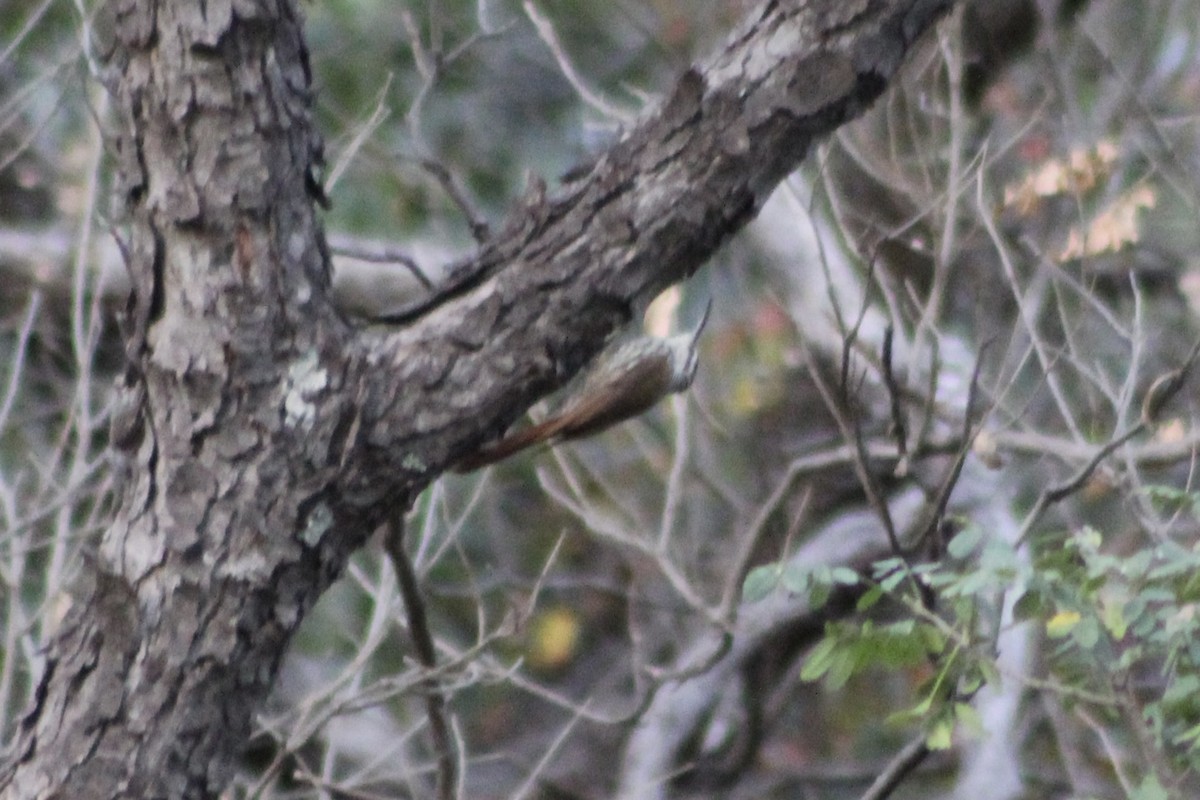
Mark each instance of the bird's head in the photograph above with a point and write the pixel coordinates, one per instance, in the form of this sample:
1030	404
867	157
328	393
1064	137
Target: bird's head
685	356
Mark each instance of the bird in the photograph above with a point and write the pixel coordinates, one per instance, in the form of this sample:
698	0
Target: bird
627	380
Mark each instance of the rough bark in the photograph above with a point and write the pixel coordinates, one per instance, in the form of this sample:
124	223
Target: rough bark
263	436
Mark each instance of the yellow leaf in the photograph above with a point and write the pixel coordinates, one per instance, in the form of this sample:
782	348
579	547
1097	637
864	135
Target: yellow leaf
554	638
1112	229
1061	623
1081	171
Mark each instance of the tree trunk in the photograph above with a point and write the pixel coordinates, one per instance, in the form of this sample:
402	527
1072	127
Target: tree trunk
262	436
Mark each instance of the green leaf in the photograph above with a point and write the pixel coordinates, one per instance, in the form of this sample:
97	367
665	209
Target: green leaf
820	659
887	566
1153	595
818	595
971	584
933	639
795	579
1135	566
1188	737
1169	569
1089	538
965	542
890	583
760	582
869	599
987	669
941	734
1087	633
999	556
841	668
970	683
908	714
845	576
1185	687
1112	613
894	647
1166	493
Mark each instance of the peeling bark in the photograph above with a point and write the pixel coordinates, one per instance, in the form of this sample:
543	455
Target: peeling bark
263	436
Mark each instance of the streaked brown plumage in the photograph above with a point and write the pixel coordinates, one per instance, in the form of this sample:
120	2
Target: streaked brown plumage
627	382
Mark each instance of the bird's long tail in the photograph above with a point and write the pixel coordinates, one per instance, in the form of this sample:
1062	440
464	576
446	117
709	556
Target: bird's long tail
511	444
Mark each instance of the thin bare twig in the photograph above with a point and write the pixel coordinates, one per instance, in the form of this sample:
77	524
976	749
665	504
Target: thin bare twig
851	434
1026	315
545	29
376	118
908	759
899	429
1076	482
431	63
968	435
418	626
1110	747
382	255
480	229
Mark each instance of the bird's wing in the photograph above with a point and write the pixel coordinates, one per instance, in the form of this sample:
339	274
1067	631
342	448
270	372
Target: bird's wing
618	396
610	399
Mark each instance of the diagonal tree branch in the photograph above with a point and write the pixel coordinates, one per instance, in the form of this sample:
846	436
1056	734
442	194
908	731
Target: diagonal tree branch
523	315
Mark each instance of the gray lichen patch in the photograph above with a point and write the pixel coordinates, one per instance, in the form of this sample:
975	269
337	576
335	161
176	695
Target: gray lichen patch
319	521
306	379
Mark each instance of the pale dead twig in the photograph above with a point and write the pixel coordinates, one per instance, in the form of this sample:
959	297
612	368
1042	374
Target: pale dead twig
545	29
376	118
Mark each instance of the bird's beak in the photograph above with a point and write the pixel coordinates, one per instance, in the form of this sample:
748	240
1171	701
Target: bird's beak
703	320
